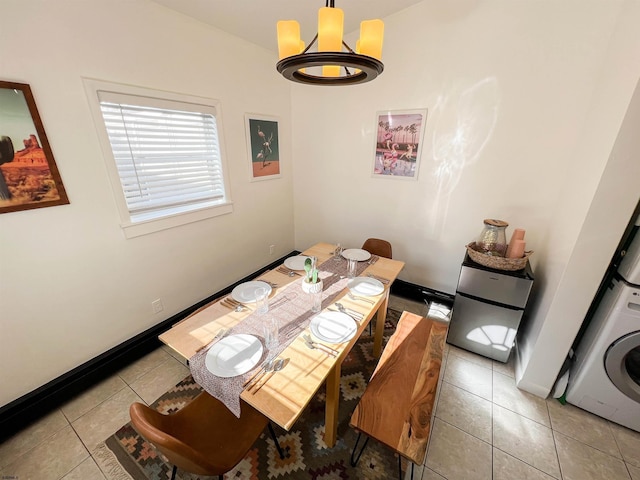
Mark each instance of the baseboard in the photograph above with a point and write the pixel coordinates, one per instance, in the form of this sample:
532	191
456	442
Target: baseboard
419	293
21	412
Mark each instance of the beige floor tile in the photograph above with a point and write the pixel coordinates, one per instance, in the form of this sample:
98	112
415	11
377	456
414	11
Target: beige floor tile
628	442
91	398
507	395
468	375
97	424
160	379
506	467
467	411
634	471
508	368
456	455
403	304
132	372
428	474
582	462
31	436
50	460
517	436
87	470
175	354
471	357
583	426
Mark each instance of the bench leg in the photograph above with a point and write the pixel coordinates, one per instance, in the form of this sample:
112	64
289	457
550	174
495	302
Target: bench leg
354	462
400	468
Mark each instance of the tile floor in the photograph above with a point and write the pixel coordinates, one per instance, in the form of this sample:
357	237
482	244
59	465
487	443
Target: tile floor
484	428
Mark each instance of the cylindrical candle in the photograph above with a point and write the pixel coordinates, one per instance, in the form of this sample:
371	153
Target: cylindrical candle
516	249
518	234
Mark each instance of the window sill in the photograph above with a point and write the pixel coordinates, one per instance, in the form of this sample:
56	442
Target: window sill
145	225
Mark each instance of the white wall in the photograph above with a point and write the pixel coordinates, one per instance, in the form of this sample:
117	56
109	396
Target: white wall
513	91
593	211
71	285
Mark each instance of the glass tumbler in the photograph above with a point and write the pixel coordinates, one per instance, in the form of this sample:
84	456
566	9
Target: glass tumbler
352	268
262	300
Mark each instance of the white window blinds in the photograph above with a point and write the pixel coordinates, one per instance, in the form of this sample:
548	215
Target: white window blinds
167	154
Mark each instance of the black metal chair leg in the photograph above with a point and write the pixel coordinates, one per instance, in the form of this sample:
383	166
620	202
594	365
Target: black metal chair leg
173	472
355	462
400	467
275	440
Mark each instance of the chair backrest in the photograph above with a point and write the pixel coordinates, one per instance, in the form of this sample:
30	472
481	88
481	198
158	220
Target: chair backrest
203	437
376	246
156	428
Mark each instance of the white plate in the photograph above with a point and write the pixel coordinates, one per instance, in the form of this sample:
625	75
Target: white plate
366	286
234	355
333	327
246	292
356	254
295	263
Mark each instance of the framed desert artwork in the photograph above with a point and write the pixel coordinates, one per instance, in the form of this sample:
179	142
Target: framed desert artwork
398	143
263	146
29	177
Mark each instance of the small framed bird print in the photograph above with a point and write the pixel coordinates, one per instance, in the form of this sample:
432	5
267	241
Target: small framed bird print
263	146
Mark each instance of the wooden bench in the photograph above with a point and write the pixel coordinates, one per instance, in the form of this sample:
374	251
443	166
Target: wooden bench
397	406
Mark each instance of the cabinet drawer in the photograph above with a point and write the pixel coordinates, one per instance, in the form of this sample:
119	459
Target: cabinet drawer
495	287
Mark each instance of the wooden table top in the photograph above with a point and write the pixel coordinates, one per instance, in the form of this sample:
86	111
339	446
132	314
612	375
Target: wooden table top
287	393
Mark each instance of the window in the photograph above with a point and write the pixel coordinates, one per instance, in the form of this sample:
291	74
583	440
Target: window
164	156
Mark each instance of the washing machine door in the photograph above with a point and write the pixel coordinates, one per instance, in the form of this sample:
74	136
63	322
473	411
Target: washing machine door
622	363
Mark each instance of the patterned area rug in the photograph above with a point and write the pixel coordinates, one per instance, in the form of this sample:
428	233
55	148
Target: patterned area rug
127	455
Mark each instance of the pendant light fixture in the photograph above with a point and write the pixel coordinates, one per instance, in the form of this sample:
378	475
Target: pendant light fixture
329	64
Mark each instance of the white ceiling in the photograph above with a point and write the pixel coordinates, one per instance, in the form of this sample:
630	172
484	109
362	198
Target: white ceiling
255	20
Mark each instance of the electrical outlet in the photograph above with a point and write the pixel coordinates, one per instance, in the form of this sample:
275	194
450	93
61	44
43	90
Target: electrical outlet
272	248
157	306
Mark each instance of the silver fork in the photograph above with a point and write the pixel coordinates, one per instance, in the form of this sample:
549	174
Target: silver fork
236	303
355	297
381	279
319	346
357	316
373	259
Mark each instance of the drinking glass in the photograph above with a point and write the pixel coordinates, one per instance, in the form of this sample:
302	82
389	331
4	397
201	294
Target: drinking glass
270	329
315	290
262	300
352	268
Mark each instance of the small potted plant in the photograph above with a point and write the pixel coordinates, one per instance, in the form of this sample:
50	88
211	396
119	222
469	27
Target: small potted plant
311	283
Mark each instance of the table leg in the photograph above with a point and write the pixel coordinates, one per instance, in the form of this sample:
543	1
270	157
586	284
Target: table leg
381	316
331	407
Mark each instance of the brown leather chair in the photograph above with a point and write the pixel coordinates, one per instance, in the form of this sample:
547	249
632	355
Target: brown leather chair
376	246
203	437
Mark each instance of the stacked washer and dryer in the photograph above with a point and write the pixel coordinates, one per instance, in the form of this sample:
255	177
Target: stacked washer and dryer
605	379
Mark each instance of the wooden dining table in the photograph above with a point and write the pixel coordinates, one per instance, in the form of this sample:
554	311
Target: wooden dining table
287	392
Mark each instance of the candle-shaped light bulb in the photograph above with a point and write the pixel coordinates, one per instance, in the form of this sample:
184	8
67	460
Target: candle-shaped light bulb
371	38
330	25
288	38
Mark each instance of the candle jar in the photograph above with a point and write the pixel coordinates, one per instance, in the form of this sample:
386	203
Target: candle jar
493	238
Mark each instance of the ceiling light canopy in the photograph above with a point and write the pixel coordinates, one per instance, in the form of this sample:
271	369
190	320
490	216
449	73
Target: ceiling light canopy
330	64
